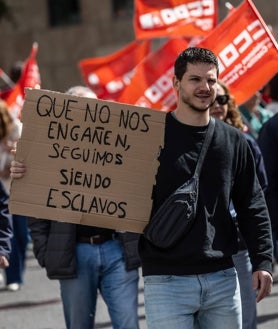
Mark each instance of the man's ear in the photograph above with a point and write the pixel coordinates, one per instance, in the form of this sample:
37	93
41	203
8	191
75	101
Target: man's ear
176	83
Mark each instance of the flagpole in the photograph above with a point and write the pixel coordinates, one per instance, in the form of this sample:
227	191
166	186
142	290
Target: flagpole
6	78
229	6
270	34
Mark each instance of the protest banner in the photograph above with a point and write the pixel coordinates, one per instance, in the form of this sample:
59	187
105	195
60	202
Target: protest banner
109	75
88	161
30	77
247	51
151	85
174	18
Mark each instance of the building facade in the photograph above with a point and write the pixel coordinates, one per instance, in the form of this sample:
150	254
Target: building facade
70	30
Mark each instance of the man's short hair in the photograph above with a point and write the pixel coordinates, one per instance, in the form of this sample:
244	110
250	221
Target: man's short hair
194	55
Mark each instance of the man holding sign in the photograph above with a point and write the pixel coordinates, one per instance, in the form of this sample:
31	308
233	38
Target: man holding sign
194	283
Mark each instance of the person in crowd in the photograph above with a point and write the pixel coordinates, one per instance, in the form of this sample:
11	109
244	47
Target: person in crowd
265	98
267	140
16	270
16	70
273	94
87	259
254	115
194	283
6	228
224	108
14	273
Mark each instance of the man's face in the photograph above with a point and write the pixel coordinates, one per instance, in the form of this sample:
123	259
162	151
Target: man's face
198	87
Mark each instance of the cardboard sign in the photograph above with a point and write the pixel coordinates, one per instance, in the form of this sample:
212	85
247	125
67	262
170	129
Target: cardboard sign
88	161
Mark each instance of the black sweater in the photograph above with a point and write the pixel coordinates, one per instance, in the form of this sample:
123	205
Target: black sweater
228	172
268	139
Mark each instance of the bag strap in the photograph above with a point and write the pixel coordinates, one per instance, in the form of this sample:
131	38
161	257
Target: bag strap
205	146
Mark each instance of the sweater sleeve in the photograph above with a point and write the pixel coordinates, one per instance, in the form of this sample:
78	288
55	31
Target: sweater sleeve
259	162
252	213
268	140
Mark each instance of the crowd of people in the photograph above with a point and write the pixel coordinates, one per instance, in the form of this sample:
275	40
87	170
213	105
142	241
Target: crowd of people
221	268
11	130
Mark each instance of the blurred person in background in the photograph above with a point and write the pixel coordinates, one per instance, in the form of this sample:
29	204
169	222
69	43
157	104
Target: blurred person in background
16	70
6	231
254	115
273	94
225	109
268	142
11	128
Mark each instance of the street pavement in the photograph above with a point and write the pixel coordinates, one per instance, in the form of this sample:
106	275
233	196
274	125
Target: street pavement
38	305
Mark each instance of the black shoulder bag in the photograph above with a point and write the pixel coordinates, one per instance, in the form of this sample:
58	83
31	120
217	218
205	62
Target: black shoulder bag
175	216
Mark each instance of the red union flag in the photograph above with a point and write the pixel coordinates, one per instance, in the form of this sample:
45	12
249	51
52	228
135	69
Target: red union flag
174	18
151	85
30	77
107	76
247	51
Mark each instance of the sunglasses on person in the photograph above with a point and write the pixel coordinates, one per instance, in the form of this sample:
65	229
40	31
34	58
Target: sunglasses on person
222	99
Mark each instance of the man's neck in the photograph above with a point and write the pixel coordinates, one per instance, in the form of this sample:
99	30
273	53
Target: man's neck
192	117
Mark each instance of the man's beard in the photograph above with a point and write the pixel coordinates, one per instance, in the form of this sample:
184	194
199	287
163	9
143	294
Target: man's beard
195	108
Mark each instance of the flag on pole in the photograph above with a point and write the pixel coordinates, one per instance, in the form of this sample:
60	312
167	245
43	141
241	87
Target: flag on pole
30	77
247	51
174	18
151	86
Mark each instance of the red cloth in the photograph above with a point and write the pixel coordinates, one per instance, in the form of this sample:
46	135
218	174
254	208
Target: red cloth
247	51
174	18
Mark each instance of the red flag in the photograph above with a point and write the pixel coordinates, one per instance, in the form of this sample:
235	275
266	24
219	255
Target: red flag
174	18
151	85
107	76
30	77
247	51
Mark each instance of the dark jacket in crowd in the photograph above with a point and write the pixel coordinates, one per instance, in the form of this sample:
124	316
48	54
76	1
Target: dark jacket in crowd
54	247
268	142
261	174
6	226
259	161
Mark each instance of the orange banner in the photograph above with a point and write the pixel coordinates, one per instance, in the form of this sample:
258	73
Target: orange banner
247	51
107	76
174	18
30	77
151	85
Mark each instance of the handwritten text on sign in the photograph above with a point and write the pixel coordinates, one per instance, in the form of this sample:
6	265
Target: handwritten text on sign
88	161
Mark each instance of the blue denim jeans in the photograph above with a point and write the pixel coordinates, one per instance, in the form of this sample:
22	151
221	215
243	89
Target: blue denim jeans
248	294
203	301
101	268
20	239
